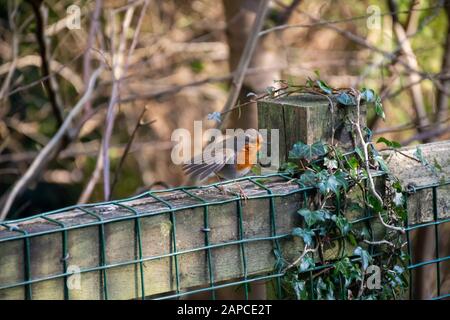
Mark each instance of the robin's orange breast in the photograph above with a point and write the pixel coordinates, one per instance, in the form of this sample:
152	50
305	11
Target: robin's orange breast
248	156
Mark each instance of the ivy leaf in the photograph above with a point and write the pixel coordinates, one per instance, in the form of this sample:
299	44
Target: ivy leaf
331	182
300	290
375	203
311	217
307	262
343	224
330	293
216	116
324	87
360	153
256	170
308	152
341	178
368	95
346	99
379	159
399	200
352	239
389	143
419	155
437	164
379	108
320	286
397	186
306	234
289	168
330	163
365	256
353	163
398	269
308	179
271	91
365	233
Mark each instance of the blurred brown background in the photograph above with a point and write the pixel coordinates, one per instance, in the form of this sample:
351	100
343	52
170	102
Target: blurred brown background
175	59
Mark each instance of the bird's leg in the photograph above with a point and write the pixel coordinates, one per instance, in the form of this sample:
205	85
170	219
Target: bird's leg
242	193
221	187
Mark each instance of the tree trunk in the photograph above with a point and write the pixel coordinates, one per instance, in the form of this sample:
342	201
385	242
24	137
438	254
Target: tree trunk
240	16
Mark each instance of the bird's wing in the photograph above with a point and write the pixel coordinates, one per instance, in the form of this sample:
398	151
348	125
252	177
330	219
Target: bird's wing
212	159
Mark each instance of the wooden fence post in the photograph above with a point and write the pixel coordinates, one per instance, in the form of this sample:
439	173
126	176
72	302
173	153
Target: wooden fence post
308	118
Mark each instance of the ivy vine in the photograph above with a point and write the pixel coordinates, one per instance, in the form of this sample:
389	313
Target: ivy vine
365	267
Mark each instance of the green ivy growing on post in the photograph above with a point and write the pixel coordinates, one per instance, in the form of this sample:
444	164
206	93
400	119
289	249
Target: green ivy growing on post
375	268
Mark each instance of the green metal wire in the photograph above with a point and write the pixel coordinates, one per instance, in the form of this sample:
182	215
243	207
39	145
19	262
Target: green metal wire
435	224
436	237
208	247
273	228
64	251
27	264
242	247
409	248
101	235
138	236
174	237
206	230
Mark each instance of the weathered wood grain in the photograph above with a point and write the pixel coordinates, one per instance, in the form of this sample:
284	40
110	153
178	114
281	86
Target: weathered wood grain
124	282
121	245
414	175
308	118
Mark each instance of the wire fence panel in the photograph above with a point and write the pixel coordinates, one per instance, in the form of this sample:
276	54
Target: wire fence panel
172	243
158	242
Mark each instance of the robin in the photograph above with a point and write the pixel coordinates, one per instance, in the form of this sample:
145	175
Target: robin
228	157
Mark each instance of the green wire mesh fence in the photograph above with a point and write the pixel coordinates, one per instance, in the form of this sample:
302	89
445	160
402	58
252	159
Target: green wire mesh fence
437	221
193	198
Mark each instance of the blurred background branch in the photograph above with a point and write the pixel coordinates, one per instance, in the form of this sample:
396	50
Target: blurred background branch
183	60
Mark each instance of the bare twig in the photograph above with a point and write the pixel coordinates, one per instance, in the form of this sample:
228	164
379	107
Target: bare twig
55	68
409	126
411	62
319	23
40	80
110	116
49	82
119	68
378	243
365	146
15	50
390	56
426	135
83	149
127	149
306	250
90	42
95	176
49	151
